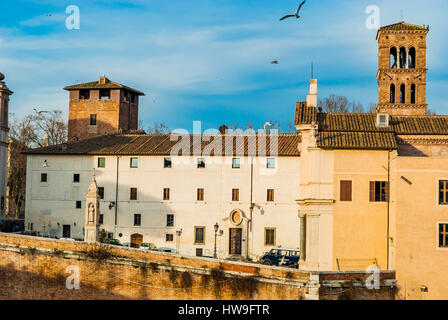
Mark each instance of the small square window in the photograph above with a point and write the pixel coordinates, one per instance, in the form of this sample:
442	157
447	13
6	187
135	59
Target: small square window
134	162
199	252
101	162
137	220
133	194
105	94
78	204
43	177
76	177
169	237
379	191
93	119
236	163
101	219
270	163
170	220
167	163
101	192
201	163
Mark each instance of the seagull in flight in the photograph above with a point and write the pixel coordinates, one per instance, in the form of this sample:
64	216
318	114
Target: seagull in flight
274	62
294	15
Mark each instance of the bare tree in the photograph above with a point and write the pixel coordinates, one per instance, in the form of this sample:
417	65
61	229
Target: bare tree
35	130
158	128
340	104
429	112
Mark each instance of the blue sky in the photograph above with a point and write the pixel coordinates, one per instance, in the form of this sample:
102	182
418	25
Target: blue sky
208	60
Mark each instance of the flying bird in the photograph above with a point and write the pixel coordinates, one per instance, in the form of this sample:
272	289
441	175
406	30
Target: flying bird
294	15
274	62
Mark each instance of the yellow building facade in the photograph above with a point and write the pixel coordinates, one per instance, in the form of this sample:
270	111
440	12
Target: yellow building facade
374	186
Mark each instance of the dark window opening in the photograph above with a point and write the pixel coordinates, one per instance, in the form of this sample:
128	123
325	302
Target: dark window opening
78	204
411	58
84	94
199	235
346	190
402	93
101	219
93	119
169	237
105	94
393	58
167	163
443	192
199	252
201	163
43	177
269	237
137	219
76	177
170	220
379	191
443	235
392	93
403	58
101	192
413	93
200	195
133	194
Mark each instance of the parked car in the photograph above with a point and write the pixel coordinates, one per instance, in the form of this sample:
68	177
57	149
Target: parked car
167	250
281	257
114	242
148	246
130	245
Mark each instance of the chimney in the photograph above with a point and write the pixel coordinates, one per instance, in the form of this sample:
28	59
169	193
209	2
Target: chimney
311	98
103	80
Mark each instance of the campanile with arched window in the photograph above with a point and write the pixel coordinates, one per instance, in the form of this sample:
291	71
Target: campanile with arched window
402	69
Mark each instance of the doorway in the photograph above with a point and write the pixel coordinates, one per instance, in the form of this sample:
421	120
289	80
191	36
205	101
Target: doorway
136	240
235	241
66	231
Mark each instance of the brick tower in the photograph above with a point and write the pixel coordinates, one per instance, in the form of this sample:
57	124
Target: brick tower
101	107
402	69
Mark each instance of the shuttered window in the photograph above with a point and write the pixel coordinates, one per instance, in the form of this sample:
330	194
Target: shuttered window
235	194
270	195
166	194
379	191
200	194
346	190
443	192
133	193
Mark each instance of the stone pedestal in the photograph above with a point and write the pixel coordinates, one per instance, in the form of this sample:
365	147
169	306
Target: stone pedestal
92	226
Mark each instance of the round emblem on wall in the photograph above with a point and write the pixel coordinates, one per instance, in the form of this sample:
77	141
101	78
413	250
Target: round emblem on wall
236	217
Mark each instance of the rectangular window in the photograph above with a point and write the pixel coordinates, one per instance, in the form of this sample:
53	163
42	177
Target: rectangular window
169	237
93	119
76	177
199	252
43	177
443	192
137	219
78	204
101	162
101	219
200	194
134	162
443	235
201	163
270	195
133	194
167	163
379	191
236	163
270	163
346	190
105	94
269	236
235	194
101	192
166	194
84	94
170	220
199	235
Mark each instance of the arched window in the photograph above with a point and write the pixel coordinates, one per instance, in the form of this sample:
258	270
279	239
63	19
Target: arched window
411	58
392	93
393	58
403	58
413	93
403	94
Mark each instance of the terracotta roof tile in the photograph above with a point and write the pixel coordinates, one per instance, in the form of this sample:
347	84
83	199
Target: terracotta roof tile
97	85
357	140
305	114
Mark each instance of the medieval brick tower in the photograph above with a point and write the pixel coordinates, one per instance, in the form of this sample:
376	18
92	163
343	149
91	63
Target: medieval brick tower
402	69
101	107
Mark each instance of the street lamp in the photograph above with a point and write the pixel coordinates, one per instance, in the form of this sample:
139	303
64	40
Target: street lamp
215	256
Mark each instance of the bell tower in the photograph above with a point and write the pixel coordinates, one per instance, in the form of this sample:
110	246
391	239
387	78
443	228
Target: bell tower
402	69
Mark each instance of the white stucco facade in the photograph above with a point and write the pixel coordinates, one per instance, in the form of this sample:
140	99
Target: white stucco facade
51	205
